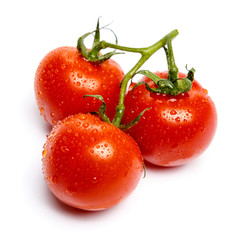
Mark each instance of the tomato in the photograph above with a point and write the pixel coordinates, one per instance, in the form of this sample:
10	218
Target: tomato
90	164
64	77
177	129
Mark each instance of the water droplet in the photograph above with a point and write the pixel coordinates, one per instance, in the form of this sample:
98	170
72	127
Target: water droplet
205	90
103	128
76	134
172	100
173	112
44	153
82	117
85	125
103	86
79	75
69	130
78	124
70	190
94	180
64	149
177	119
54	179
63	66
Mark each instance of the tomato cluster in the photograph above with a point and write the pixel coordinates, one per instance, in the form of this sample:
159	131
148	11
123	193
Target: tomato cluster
93	156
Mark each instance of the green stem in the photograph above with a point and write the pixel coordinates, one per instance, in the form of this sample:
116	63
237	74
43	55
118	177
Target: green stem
172	68
146	54
104	44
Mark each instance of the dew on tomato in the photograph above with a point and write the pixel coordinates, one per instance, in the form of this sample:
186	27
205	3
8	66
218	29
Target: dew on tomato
54	179
176	129
44	153
94	169
62	79
64	149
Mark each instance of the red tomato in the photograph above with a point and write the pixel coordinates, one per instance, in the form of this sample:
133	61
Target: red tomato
90	164
177	128
64	77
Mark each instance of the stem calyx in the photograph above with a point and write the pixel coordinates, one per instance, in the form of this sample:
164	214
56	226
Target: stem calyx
166	86
173	85
94	55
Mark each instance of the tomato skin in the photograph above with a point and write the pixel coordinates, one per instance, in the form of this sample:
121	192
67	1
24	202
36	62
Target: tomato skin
176	129
62	79
90	164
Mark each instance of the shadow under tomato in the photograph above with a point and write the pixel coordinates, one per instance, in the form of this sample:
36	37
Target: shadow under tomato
72	211
34	119
154	168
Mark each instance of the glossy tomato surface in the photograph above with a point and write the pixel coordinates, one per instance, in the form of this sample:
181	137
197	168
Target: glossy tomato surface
177	129
62	79
90	164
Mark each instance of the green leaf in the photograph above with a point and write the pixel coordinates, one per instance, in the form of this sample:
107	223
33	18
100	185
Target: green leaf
97	35
166	90
190	74
94	55
134	121
101	109
156	79
183	85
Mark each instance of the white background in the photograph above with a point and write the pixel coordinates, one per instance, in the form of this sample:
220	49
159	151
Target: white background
197	201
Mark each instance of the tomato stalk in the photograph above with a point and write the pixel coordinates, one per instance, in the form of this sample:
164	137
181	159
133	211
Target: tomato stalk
172	68
180	85
173	85
146	53
94	56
